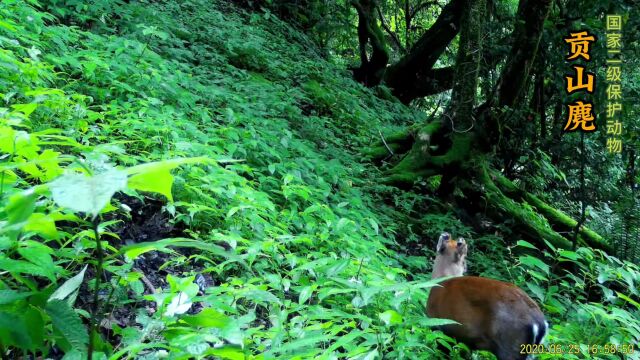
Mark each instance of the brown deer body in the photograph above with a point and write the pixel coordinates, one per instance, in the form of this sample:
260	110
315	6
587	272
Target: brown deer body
493	315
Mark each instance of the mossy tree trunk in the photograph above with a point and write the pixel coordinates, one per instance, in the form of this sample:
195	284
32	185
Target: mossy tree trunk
464	139
413	75
441	148
372	66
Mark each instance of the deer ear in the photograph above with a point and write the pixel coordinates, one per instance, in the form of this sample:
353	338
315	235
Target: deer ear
461	246
443	237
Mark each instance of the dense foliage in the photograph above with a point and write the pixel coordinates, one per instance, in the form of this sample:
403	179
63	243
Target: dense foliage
204	163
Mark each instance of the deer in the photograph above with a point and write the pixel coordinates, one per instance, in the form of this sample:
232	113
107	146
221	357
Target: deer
491	315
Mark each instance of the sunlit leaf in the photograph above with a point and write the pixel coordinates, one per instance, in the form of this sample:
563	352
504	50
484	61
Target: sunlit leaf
390	317
526	244
156	176
305	294
69	287
228	352
68	323
180	304
433	322
207	318
42	224
87	194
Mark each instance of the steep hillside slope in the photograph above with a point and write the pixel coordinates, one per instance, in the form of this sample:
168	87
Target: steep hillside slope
300	261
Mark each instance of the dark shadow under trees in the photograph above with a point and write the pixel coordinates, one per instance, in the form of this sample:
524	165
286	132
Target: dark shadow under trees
461	145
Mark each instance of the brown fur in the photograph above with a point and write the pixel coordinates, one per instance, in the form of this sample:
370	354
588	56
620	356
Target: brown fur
493	315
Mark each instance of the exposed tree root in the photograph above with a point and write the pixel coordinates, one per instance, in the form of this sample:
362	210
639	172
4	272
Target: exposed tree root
437	149
433	153
399	142
533	217
559	220
526	220
501	199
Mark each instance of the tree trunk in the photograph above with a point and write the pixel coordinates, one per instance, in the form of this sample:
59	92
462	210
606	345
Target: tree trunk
418	63
440	150
437	145
413	76
371	67
467	69
538	103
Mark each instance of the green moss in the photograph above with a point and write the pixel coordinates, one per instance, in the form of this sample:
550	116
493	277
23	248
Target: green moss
553	215
398	136
430	128
538	227
433	182
377	152
418	159
458	153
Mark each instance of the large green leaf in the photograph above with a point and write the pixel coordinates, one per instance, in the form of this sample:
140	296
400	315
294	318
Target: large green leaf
208	317
156	176
526	244
42	224
8	296
39	255
390	317
305	294
534	262
227	352
25	267
14	331
569	254
69	287
135	250
87	194
66	321
32	316
21	206
433	322
628	299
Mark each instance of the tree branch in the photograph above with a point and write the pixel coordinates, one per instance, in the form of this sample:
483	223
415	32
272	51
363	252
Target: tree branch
392	34
371	68
431	82
526	37
400	77
422	6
